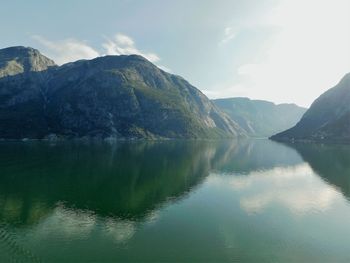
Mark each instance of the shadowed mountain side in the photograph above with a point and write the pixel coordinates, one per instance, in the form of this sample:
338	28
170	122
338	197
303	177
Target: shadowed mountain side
328	118
121	97
23	76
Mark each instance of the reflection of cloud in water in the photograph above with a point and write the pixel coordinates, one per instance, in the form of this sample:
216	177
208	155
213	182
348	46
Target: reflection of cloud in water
120	230
152	217
79	224
67	222
296	188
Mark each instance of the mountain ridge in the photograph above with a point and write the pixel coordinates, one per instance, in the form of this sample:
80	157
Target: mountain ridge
260	118
20	59
122	97
328	118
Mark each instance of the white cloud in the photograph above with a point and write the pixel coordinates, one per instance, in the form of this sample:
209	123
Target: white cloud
164	68
124	40
124	45
67	50
308	55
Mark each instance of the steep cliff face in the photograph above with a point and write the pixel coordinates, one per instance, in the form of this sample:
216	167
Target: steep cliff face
112	96
23	76
327	119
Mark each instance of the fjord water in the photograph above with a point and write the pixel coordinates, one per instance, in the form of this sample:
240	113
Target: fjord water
174	201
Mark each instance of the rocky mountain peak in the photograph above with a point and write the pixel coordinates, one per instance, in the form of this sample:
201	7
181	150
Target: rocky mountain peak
19	59
106	97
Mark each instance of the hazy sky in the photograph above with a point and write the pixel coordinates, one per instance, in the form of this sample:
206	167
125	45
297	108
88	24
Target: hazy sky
278	50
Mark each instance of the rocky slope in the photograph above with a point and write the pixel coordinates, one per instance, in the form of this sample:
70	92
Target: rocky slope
23	76
17	60
328	118
112	96
261	118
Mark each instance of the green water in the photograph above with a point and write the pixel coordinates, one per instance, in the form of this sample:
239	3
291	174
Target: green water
175	201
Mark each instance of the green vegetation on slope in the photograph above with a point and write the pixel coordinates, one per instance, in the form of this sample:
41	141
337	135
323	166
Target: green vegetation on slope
121	97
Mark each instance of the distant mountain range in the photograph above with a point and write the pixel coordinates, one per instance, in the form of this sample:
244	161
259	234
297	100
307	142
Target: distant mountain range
261	118
328	118
107	97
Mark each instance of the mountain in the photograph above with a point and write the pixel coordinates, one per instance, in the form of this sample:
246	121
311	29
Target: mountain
112	96
23	75
328	118
17	60
261	118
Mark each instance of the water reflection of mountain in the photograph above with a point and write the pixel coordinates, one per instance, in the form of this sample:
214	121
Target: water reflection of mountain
71	190
125	179
246	156
330	161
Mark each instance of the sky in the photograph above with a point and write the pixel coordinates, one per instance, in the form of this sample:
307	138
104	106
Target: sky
285	51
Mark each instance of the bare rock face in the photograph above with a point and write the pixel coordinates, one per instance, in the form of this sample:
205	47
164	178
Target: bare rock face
113	96
18	60
328	118
23	76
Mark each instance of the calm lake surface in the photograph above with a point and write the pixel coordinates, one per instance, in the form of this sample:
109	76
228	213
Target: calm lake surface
174	201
